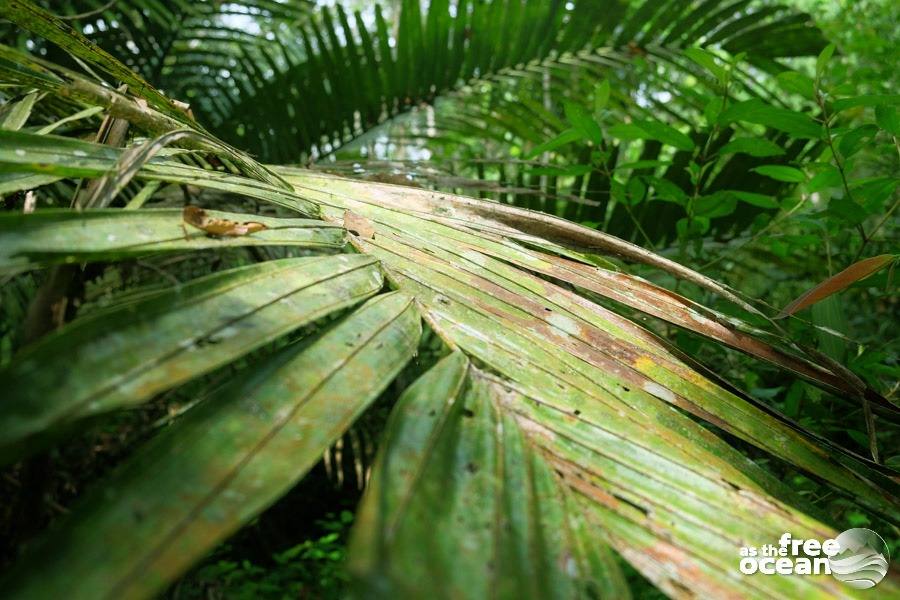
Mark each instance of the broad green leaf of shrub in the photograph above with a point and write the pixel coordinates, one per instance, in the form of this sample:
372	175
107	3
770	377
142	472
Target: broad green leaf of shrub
829	177
759	147
756	111
708	61
869	100
601	97
657	130
760	200
781	173
581	120
888	119
854	140
566	137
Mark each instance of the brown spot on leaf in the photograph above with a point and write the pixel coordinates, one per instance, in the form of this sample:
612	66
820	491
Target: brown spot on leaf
358	225
197	217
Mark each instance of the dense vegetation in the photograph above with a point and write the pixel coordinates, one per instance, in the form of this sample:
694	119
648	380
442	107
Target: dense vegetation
527	298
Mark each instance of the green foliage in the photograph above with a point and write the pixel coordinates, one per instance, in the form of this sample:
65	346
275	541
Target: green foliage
200	367
312	568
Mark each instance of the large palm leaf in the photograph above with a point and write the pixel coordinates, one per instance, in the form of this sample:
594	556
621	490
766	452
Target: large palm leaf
553	430
352	77
512	99
333	75
199	52
332	78
522	140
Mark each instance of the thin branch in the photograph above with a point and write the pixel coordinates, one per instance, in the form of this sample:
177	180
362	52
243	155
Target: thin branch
870	428
89	13
837	160
875	229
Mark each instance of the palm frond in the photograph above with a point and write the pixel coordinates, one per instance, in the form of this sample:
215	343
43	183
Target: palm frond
339	75
243	451
578	430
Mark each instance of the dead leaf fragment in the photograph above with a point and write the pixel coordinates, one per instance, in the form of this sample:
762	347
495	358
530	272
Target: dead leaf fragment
832	285
184	107
197	217
30	202
358	225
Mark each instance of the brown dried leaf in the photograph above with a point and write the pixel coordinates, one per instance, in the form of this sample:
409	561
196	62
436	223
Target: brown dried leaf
197	217
832	285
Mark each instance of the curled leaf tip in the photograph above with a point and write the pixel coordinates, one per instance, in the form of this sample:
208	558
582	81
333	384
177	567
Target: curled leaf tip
855	272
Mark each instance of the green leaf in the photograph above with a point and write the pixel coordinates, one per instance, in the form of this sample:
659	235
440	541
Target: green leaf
476	309
64	157
868	100
124	356
566	137
760	200
582	120
873	193
635	191
37	20
652	130
15	115
147	190
756	111
666	190
693	228
618	417
601	96
854	140
657	130
711	110
132	160
830	177
627	132
823	59
15	182
847	210
715	205
448	442
781	173
707	60
797	83
755	146
887	118
225	462
59	236
82	114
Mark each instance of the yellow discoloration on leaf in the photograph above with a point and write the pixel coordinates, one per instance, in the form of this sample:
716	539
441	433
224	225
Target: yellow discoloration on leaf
644	363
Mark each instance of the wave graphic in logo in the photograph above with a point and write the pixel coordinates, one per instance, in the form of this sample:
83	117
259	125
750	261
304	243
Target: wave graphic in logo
862	560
